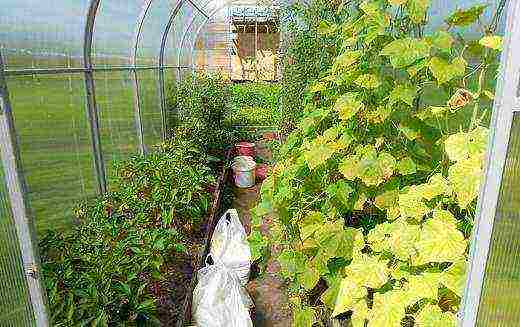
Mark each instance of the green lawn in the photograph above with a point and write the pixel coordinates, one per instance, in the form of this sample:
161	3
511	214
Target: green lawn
54	135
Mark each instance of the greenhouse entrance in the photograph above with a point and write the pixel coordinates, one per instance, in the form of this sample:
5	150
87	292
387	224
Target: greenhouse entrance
259	163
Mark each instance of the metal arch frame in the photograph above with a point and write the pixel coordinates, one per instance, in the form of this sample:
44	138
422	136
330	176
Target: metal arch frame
506	103
135	80
164	39
208	17
189	27
90	88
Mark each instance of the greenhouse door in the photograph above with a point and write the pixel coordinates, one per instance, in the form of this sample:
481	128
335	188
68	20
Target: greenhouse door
492	296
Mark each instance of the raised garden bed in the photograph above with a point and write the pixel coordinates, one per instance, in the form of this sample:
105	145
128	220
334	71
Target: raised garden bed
199	254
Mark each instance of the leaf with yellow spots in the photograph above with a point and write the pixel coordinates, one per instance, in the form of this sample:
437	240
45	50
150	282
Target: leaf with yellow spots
348	106
440	240
349	293
465	178
411	205
432	316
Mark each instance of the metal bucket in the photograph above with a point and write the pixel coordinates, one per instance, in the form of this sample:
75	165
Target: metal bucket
244	171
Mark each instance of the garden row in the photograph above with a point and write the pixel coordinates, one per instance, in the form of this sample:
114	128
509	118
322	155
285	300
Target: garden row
130	258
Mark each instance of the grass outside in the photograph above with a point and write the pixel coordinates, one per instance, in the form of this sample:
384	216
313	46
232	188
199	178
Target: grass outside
54	135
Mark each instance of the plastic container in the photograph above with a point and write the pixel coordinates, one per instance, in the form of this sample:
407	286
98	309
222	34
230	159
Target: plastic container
245	149
244	171
261	172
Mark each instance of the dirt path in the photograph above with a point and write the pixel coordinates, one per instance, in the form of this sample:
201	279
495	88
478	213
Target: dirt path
268	291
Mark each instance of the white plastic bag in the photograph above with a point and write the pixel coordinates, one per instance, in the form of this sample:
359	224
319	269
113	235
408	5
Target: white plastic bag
229	245
219	299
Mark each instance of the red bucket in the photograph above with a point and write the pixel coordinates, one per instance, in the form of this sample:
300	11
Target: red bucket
261	172
245	149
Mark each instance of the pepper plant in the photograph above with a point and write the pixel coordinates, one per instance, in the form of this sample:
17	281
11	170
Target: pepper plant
374	193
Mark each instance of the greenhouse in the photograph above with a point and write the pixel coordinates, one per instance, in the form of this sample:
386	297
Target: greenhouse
277	163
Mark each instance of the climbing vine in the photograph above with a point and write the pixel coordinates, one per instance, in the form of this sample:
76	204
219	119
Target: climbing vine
374	193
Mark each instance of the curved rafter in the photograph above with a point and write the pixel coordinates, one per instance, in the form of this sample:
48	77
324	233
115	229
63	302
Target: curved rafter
91	97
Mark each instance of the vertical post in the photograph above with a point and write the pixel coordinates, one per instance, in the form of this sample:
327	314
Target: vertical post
18	201
506	101
92	111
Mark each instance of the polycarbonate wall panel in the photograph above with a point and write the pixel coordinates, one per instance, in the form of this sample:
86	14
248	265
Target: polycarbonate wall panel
211	51
150	106
54	139
188	37
177	31
115	102
41	34
15	306
153	29
114	31
500	302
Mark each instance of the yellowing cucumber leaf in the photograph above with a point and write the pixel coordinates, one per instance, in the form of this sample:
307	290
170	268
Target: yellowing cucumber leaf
423	286
492	41
444	71
466	17
347	106
292	263
257	243
349	293
349	168
465	177
368	81
318	153
440	240
387	200
442	40
326	28
387	310
318	87
360	313
402	238
309	278
304	317
369	271
397	2
369	8
406	51
436	186
409	132
463	145
346	59
411	205
360	203
371	168
378	236
417	10
379	115
402	93
335	241
406	166
454	278
432	316
310	224
331	294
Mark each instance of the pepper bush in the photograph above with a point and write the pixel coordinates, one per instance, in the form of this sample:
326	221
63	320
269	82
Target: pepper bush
374	193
